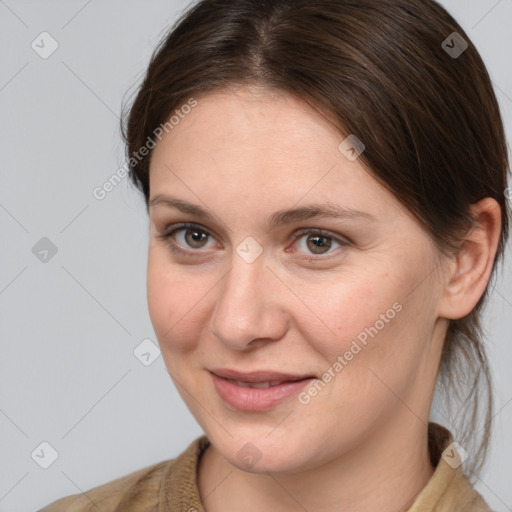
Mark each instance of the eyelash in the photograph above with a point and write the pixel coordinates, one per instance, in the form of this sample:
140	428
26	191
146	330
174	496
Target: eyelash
167	235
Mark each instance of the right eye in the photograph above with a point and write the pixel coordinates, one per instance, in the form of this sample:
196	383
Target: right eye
192	236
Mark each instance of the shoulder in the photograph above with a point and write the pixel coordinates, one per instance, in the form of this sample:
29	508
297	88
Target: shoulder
162	486
449	489
455	494
141	485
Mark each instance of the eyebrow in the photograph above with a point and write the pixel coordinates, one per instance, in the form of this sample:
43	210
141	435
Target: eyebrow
281	217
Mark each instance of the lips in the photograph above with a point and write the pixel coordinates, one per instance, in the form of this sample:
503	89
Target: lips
257	385
259	377
261	393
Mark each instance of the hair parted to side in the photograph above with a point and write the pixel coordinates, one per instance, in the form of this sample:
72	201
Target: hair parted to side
431	125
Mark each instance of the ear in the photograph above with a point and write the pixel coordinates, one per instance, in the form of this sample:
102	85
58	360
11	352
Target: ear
471	268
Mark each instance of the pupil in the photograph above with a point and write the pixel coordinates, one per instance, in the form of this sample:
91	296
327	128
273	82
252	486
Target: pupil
196	236
319	242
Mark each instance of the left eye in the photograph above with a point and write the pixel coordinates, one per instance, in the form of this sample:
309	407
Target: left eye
317	240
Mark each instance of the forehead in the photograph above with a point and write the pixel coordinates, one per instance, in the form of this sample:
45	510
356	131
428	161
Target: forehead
247	147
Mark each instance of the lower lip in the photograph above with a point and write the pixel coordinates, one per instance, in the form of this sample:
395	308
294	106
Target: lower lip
256	399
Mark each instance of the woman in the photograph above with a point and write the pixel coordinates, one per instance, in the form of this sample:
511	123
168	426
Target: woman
325	183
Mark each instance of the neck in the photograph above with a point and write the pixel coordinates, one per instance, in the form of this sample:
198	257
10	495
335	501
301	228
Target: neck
385	472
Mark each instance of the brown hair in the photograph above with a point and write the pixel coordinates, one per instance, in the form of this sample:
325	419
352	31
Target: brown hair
429	119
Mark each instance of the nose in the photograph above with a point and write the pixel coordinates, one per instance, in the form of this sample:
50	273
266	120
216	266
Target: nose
250	307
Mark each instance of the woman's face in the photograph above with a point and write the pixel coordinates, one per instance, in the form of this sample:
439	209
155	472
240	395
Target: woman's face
354	307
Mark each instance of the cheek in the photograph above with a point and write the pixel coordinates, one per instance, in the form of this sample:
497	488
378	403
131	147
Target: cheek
174	303
382	333
369	328
349	310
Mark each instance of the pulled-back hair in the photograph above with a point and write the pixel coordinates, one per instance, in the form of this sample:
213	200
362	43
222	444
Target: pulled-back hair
380	69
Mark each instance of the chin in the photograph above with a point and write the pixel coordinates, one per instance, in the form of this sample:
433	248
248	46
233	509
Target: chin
260	453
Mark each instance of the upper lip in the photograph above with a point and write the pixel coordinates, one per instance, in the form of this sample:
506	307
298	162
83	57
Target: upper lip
258	376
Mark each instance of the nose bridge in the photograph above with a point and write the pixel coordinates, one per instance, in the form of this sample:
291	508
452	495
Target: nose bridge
245	306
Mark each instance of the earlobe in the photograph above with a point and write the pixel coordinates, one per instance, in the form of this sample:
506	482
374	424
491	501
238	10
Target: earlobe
472	266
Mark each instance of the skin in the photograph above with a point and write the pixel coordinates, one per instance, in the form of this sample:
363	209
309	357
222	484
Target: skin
360	444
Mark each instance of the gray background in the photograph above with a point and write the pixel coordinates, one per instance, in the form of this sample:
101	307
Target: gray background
69	326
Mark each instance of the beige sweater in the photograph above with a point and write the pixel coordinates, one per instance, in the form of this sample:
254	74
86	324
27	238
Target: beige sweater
171	485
